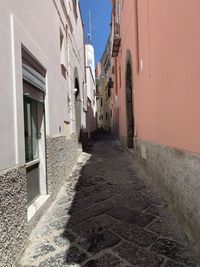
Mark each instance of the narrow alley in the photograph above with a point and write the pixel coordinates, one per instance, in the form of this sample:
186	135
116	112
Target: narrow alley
108	214
99	133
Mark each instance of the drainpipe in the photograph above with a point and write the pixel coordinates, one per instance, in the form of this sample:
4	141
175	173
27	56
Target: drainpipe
45	144
137	35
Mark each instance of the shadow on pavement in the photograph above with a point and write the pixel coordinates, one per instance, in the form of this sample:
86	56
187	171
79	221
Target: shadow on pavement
116	219
108	215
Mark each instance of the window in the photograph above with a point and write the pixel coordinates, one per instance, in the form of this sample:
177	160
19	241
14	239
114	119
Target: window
62	54
34	87
109	92
85	96
75	8
120	77
113	69
31	129
118	7
68	103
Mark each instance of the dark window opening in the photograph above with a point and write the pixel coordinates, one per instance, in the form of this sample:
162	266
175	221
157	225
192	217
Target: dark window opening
62	55
109	92
113	70
75	8
120	77
76	85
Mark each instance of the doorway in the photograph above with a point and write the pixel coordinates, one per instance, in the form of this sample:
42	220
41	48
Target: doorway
31	134
129	105
77	109
34	134
34	91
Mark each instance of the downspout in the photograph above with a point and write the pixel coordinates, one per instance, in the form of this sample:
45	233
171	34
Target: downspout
114	21
85	91
45	144
137	35
84	52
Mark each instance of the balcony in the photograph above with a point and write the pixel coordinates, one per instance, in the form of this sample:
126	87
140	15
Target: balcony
116	40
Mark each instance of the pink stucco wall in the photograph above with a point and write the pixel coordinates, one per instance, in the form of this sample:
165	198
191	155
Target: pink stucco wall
167	90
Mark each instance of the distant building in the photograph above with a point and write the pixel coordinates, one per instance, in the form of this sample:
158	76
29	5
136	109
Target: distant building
91	89
98	70
105	87
98	91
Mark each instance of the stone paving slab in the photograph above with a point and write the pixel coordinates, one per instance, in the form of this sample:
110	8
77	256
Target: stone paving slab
131	216
138	256
173	264
99	241
132	201
168	228
135	234
72	257
173	250
94	224
108	215
159	211
107	260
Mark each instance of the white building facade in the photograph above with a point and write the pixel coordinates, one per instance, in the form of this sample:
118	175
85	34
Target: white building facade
42	113
91	124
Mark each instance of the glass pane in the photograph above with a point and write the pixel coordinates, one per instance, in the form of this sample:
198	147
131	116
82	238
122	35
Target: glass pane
34	116
31	129
27	128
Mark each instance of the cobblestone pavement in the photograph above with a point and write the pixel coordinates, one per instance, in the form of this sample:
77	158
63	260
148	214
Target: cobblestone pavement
108	215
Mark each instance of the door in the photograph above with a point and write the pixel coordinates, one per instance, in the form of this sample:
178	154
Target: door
31	133
129	106
34	90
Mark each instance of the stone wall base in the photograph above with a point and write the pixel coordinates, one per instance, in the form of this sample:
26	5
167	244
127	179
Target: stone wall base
123	140
13	215
62	154
84	140
177	175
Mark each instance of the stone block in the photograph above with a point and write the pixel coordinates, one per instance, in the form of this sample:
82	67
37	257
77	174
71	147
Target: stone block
138	256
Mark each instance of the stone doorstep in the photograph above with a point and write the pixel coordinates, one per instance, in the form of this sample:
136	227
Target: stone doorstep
36	205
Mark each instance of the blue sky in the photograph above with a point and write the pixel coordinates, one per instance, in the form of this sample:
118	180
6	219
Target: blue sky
101	18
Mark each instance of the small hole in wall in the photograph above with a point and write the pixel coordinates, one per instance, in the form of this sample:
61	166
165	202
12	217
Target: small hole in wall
60	129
